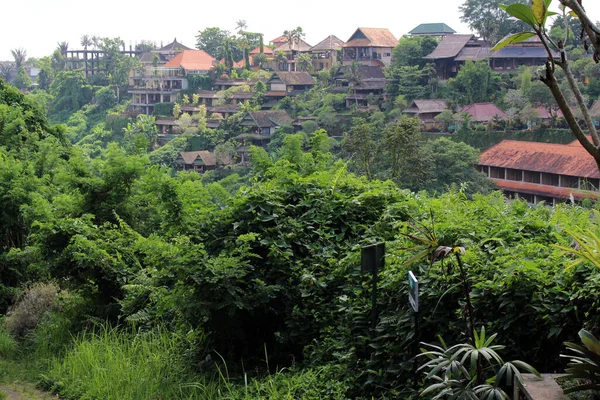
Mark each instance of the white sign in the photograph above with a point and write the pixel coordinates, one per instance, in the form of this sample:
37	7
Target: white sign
413	291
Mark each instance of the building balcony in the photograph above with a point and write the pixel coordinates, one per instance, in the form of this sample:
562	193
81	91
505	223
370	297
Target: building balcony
142	90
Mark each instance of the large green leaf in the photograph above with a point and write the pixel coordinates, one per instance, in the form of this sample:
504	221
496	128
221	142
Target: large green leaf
590	341
514	38
522	13
538	7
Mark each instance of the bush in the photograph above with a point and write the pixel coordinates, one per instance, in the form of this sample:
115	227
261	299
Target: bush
106	98
163	109
30	307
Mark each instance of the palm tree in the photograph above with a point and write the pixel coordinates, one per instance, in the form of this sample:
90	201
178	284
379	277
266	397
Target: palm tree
85	42
64	47
280	59
20	55
241	25
305	62
354	77
6	70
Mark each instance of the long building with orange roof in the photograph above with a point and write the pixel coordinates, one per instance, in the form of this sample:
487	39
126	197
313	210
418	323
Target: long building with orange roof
538	172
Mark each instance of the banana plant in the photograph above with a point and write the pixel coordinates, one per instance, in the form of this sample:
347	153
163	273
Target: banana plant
584	362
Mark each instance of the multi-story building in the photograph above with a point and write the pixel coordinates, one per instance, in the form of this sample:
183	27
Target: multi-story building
162	84
325	53
370	46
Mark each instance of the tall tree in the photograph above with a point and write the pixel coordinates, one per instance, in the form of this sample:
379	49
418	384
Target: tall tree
360	143
411	50
22	80
474	83
20	55
487	19
212	40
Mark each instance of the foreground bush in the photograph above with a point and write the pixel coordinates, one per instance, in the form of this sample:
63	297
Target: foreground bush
30	308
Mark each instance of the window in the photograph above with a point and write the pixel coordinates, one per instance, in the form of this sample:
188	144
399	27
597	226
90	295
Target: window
496	172
387	54
569	181
514	174
532	177
550	179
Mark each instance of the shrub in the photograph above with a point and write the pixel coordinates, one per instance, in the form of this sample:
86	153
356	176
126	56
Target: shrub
30	307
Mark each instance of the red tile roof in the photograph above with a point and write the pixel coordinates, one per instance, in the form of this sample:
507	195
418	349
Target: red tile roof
543	190
372	37
544	114
192	60
280	39
551	158
236	64
266	50
484	112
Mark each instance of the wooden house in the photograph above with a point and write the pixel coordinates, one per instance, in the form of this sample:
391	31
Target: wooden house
199	161
426	111
291	49
290	83
454	50
531	52
265	121
370	46
325	53
372	82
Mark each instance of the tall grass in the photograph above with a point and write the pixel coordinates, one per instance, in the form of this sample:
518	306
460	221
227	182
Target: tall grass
8	345
118	365
112	364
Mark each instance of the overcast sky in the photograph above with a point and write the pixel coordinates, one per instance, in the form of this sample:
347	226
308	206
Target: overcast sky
37	25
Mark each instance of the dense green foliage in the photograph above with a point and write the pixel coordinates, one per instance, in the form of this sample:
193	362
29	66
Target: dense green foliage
245	282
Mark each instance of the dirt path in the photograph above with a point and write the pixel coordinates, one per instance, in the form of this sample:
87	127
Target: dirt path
25	392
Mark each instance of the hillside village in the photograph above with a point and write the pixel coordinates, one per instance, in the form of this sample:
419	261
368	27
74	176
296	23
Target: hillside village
186	90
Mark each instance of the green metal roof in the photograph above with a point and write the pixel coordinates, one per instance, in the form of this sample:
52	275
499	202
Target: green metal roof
432	29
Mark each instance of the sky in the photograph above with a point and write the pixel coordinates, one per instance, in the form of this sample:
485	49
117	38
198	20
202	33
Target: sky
38	25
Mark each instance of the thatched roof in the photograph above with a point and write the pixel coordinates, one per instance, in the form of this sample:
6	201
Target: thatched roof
331	42
372	37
